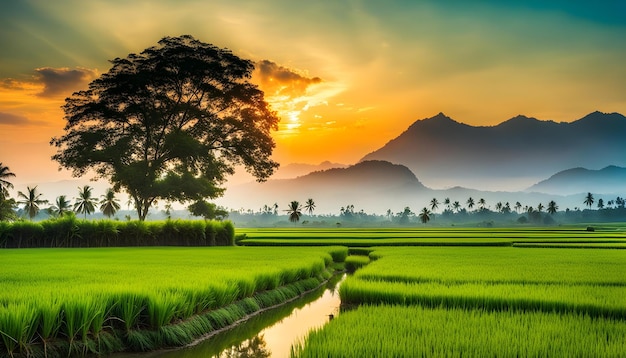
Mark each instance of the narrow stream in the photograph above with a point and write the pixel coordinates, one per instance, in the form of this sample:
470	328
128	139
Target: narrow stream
269	334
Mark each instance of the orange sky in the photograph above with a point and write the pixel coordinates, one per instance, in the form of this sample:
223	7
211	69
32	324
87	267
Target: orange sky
345	77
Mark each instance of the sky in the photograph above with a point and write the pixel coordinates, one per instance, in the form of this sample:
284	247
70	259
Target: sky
344	76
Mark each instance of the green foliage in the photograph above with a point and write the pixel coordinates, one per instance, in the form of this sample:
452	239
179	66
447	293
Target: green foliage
198	98
67	231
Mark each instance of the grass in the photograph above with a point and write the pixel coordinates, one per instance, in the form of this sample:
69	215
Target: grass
88	295
414	331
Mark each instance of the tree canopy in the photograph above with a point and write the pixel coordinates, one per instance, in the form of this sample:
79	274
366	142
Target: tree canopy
169	123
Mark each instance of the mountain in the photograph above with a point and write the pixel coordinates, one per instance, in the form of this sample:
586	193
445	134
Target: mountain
369	185
443	152
293	170
610	180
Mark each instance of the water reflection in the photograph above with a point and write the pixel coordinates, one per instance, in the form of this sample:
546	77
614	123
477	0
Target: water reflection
252	348
269	334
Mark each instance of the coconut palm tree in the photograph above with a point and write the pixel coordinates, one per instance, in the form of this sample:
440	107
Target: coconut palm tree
499	206
62	206
518	206
540	207
470	203
600	204
294	211
457	206
31	201
434	204
309	206
482	203
109	204
85	204
425	215
5	185
446	202
589	200
552	207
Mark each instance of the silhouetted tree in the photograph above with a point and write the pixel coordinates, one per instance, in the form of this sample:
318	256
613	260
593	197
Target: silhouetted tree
294	211
31	201
85	203
446	202
470	203
434	204
552	207
62	206
309	206
456	206
109	205
600	204
540	207
482	203
425	215
208	211
518	206
5	184
499	206
169	123
589	200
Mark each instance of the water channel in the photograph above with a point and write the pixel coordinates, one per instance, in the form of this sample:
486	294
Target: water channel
268	334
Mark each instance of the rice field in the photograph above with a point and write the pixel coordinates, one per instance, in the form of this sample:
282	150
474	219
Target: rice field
414	331
559	299
99	300
609	235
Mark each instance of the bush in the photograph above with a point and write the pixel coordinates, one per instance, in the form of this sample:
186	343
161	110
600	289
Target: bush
71	232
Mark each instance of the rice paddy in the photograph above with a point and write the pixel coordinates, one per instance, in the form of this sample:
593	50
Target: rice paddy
560	299
99	300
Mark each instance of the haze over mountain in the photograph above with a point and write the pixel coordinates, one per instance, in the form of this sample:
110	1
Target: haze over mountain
609	180
372	186
443	152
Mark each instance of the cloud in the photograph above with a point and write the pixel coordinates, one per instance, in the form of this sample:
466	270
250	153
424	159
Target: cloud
15	119
278	80
62	81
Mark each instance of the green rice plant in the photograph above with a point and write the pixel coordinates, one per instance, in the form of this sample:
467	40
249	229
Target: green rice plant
18	326
128	308
356	262
162	308
414	331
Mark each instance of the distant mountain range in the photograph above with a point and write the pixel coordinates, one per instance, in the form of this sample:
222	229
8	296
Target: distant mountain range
443	152
374	186
611	179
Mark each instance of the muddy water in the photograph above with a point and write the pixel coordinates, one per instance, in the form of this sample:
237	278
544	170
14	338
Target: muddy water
269	334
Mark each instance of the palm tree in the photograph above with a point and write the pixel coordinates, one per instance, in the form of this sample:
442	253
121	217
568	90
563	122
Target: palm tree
62	206
552	207
425	215
588	200
457	206
446	201
85	204
5	185
518	206
434	204
294	211
109	204
470	203
600	204
499	206
31	201
540	207
482	203
309	206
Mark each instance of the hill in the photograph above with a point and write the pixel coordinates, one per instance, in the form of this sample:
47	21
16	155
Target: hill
443	152
610	180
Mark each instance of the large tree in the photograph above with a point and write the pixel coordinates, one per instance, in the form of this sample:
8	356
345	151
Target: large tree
169	123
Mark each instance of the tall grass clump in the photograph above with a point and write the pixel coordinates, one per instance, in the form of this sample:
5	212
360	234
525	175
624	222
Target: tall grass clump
356	262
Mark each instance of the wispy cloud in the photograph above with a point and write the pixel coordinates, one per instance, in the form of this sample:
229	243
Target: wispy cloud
62	81
12	119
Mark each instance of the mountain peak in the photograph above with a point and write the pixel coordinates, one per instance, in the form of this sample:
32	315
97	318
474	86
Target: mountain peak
600	116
